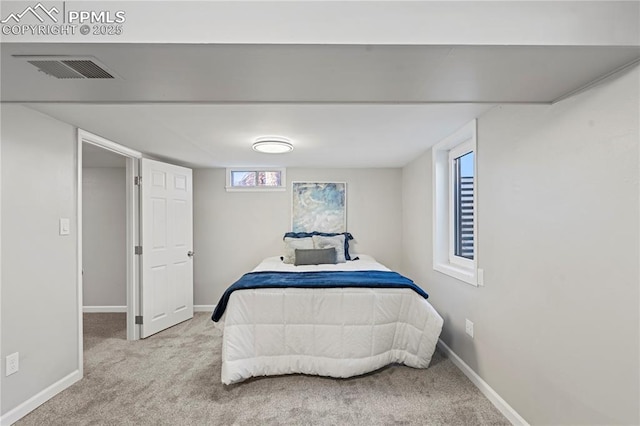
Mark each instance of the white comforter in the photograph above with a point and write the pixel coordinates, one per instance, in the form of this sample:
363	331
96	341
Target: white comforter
337	332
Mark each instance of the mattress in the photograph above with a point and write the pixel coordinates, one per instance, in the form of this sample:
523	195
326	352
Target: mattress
336	332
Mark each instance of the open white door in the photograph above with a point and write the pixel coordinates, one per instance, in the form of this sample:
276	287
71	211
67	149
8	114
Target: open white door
167	244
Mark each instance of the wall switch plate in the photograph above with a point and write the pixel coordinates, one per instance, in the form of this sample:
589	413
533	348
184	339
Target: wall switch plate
469	328
480	277
12	363
65	226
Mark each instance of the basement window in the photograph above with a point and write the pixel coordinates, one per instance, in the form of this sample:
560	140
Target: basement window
256	179
461	209
454	200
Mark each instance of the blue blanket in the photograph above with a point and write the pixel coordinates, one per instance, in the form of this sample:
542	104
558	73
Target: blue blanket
319	279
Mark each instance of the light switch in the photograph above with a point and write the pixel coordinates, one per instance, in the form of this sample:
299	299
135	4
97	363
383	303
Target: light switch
64	226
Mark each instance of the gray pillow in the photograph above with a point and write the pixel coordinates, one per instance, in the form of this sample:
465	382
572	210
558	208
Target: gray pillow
337	241
315	256
290	246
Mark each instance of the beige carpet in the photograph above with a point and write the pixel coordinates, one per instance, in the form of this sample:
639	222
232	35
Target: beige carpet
173	378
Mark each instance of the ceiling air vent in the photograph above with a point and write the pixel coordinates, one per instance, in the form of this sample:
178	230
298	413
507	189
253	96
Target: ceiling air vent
69	66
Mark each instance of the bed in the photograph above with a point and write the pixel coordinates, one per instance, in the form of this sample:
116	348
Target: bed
324	330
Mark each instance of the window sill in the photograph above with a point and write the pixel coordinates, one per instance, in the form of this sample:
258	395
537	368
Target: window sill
466	275
255	189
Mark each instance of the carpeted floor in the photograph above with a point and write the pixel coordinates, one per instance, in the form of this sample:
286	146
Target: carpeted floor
173	378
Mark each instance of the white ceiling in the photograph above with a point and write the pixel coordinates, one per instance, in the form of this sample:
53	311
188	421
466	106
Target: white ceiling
313	73
323	135
342	105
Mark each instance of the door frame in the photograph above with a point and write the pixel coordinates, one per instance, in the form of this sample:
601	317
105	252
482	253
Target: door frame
132	158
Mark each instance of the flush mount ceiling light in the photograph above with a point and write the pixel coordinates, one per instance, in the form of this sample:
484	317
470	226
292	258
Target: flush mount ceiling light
272	145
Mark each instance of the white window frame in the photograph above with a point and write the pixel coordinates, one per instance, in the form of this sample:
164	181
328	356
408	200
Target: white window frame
283	179
443	154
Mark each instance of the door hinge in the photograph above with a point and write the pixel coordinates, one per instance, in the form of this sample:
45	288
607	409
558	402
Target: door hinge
137	180
138	250
138	319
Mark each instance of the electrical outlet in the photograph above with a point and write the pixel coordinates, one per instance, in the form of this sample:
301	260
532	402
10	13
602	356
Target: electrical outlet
12	363
469	328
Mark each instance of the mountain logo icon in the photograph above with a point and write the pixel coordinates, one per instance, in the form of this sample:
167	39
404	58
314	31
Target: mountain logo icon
38	11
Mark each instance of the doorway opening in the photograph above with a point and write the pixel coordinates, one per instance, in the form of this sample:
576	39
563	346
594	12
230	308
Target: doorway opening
108	271
104	245
159	282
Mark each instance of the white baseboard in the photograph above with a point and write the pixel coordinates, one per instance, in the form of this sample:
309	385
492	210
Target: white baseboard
103	309
502	405
40	398
203	308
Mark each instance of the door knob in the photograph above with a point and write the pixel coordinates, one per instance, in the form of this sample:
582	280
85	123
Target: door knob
190	253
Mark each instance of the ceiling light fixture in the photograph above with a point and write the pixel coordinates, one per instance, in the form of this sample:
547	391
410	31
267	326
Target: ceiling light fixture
272	145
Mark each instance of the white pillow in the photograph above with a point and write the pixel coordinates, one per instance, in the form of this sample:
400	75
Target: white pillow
337	242
290	246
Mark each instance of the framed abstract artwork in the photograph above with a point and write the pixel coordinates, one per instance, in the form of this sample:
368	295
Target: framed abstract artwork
319	206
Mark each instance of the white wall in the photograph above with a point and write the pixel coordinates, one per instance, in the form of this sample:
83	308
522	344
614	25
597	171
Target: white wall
39	299
104	236
557	322
234	231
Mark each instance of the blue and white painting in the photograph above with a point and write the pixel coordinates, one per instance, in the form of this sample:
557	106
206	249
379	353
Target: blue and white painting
319	206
